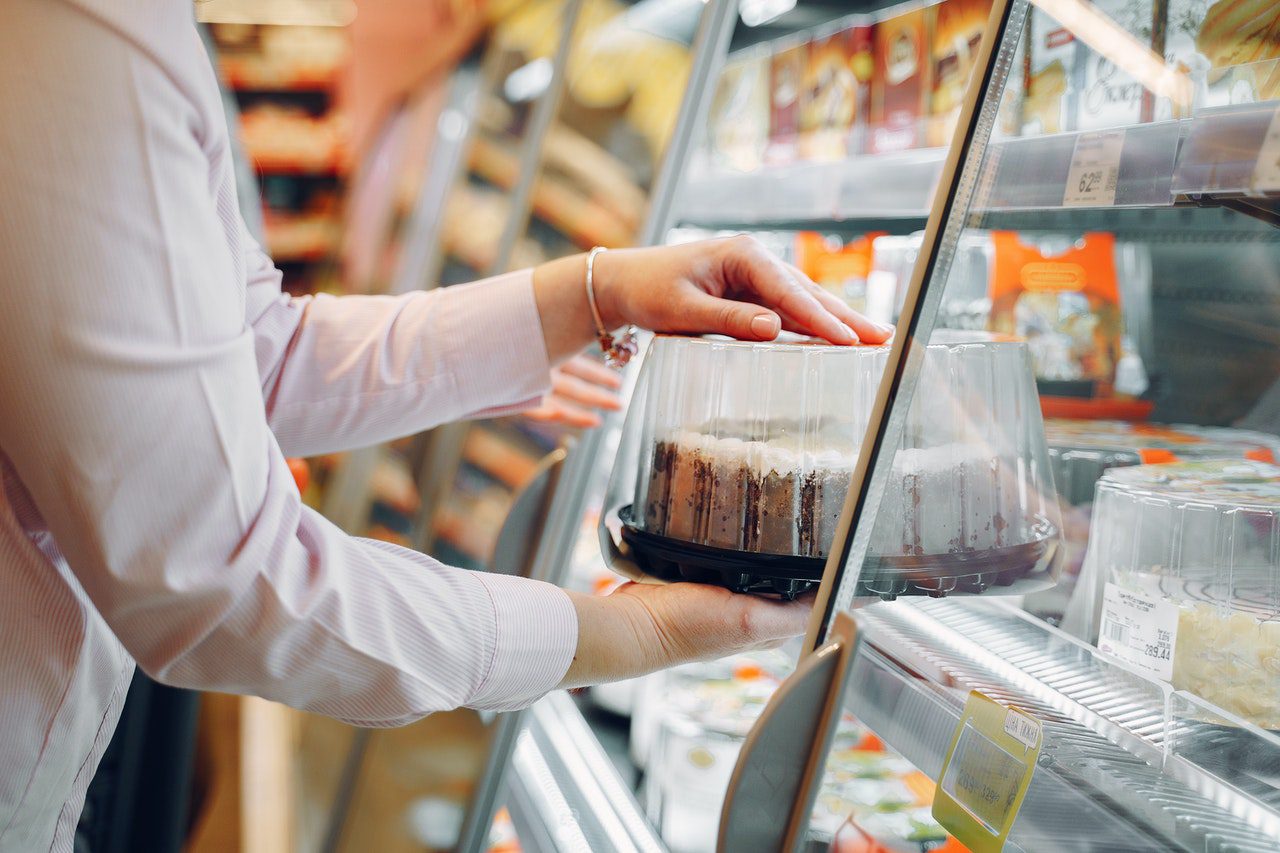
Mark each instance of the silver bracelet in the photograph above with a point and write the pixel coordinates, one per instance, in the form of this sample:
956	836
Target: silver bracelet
617	351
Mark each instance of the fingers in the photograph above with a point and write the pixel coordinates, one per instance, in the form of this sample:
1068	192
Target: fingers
772	621
704	314
868	331
588	369
755	273
571	389
557	411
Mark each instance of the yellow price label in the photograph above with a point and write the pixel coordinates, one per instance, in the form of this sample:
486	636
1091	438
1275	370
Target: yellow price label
987	772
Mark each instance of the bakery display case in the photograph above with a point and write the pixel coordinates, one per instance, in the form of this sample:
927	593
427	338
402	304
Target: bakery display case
1105	209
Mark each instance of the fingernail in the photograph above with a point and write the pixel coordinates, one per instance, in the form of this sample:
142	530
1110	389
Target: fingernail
885	328
765	326
850	334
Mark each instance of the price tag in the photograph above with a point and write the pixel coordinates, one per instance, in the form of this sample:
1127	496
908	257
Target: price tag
1024	729
1266	172
1139	629
986	773
1095	170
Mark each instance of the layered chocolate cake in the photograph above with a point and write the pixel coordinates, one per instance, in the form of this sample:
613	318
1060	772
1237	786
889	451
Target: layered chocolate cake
769	497
766	496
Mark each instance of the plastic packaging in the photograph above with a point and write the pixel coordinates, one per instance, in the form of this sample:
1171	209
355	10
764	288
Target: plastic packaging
737	459
1204	536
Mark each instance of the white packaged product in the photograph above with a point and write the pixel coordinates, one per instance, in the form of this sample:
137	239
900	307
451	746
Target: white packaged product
1187	555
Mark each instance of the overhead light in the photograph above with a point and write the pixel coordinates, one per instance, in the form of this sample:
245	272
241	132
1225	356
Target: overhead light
758	12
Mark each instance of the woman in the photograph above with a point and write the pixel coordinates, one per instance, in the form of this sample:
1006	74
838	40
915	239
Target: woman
154	378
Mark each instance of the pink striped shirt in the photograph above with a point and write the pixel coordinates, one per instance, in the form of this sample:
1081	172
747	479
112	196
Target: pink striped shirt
153	379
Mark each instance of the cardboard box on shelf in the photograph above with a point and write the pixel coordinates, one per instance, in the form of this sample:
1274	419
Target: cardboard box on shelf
957	34
832	97
739	123
1110	96
900	84
1230	50
786	79
1051	82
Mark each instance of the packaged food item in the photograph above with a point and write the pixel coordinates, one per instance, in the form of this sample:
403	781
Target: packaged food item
1051	82
739	120
842	267
1066	305
1014	96
1081	451
832	94
705	714
900	84
786	81
737	457
907	831
957	34
1110	96
1186	560
1230	50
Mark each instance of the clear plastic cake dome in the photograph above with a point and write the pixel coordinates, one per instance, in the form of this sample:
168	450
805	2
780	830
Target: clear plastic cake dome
737	457
1081	450
1203	536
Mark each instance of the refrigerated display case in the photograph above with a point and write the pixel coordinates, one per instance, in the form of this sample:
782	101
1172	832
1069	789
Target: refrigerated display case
1108	200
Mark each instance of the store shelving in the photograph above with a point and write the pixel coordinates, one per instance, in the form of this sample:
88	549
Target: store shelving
1210	157
1123	753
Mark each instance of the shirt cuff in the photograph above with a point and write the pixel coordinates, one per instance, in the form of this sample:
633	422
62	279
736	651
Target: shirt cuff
536	636
501	360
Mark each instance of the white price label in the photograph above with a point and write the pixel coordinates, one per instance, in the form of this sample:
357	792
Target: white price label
1266	172
1026	730
1095	170
1139	629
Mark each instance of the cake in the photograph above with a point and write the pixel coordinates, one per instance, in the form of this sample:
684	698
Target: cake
1204	536
767	496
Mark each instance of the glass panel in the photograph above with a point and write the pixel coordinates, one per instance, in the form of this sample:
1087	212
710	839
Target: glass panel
1073	505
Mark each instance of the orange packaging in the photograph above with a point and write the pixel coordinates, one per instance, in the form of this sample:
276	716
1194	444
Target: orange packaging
786	80
841	268
837	66
1066	306
900	84
957	34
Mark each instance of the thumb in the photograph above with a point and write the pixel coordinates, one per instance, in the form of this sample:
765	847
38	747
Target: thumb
710	315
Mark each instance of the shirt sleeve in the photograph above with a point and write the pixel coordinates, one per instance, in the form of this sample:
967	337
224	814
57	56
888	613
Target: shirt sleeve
134	416
350	371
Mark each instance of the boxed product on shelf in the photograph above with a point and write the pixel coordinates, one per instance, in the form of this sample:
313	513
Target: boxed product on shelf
833	94
1229	49
1109	95
786	81
900	84
739	120
1185	562
957	34
1051	81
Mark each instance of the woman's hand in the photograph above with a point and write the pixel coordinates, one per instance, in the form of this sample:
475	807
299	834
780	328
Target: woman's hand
641	628
579	387
731	286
